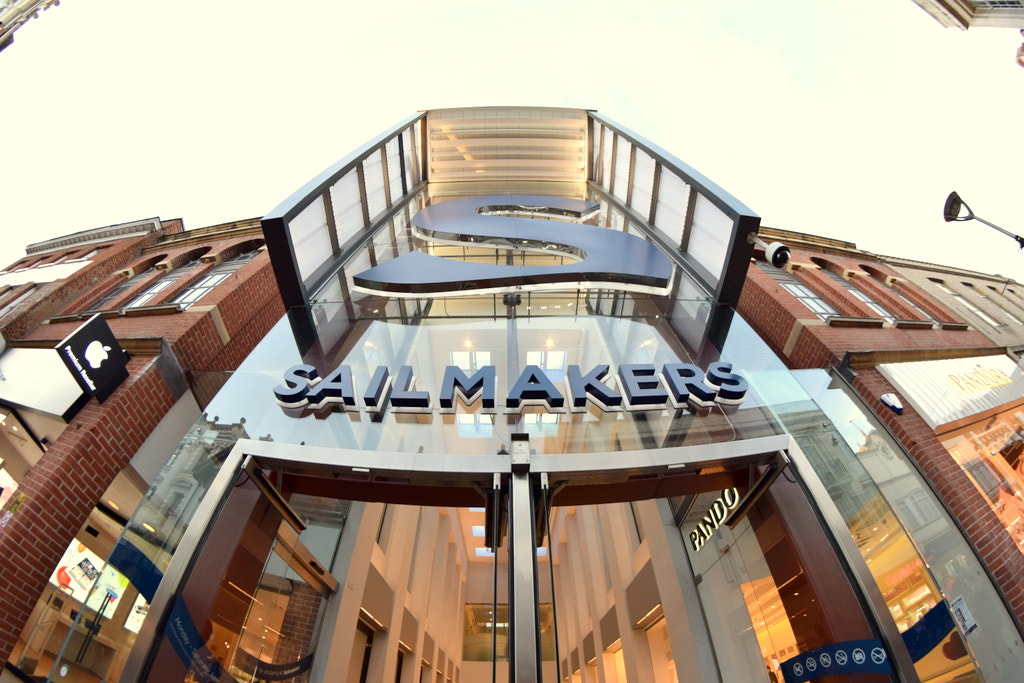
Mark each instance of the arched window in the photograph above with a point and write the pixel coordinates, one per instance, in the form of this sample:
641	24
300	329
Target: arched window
965	302
882	279
863	297
161	284
129	282
201	287
807	296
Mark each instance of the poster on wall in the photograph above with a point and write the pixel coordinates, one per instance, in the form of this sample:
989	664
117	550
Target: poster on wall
133	622
76	572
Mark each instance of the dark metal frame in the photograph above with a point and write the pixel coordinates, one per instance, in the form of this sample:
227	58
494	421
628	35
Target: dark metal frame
294	291
297	293
727	290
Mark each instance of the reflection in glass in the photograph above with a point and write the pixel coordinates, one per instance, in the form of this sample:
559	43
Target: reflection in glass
916	554
990	453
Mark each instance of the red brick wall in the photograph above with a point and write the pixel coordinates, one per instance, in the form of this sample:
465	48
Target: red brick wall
775	314
52	297
65	485
299	626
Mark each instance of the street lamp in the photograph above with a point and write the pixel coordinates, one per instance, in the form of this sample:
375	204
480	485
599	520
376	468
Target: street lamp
951	212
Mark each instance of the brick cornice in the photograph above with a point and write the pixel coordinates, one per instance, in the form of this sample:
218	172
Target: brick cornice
133	346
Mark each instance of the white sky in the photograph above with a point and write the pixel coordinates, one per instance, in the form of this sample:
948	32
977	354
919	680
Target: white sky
849	118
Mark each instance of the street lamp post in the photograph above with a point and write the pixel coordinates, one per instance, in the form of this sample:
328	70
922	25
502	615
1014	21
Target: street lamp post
954	205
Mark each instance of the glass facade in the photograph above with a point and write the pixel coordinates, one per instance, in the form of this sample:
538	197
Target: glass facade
975	407
708	536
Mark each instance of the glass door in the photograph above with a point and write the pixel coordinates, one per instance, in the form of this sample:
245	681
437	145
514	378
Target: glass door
778	602
277	637
251	605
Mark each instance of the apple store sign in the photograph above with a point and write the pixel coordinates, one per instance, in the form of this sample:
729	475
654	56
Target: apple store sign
94	358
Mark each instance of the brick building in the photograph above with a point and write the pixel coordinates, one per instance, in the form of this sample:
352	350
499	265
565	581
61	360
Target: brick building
943	340
991	304
186	307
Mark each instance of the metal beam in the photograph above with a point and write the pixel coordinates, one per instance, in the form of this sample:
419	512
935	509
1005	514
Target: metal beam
524	645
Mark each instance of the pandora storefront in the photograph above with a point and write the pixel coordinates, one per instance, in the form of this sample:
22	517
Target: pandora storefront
512	429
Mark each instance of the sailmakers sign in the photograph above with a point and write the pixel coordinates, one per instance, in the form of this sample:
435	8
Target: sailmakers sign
640	387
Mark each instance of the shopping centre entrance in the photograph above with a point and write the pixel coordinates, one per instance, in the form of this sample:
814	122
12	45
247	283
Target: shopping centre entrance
716	563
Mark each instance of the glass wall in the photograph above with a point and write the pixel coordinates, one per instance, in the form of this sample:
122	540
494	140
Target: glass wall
692	216
923	566
976	408
768	592
990	451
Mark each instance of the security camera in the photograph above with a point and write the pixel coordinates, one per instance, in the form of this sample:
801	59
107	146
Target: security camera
776	253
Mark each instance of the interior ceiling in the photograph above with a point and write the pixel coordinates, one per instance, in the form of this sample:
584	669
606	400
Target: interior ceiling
500	145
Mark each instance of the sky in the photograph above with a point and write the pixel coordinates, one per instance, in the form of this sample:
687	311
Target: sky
851	119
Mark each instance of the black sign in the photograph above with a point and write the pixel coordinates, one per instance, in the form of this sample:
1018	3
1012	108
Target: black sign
601	257
94	357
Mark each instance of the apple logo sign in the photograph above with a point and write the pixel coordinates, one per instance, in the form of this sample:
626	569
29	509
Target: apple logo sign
95	354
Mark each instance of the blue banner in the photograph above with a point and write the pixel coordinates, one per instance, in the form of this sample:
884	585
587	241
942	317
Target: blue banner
139	569
186	641
850	657
929	631
265	671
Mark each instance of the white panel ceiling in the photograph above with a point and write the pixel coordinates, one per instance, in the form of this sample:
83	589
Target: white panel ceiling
507	144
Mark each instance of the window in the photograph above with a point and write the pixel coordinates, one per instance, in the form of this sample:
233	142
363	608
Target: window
1009	315
120	289
86	257
198	290
966	303
917	509
551	362
161	284
13	303
145	297
980	313
910	303
470	361
807	296
201	287
878	309
475	425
